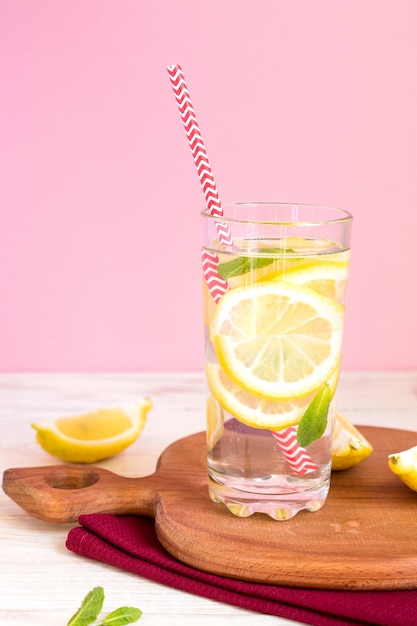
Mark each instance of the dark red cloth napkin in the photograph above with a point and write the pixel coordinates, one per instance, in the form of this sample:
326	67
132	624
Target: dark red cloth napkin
130	543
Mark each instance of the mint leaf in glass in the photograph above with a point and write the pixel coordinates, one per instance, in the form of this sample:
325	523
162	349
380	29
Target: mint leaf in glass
314	421
89	609
244	264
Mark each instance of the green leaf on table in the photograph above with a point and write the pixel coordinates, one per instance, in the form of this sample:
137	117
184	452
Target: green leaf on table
89	609
314	421
119	617
243	264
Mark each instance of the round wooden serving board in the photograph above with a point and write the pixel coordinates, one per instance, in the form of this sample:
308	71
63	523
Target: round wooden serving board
365	536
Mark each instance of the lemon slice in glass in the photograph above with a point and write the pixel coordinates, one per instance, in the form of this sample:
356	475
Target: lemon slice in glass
93	436
253	410
278	340
328	279
250	409
215	421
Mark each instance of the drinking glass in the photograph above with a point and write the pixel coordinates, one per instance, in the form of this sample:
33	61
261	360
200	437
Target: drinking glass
274	283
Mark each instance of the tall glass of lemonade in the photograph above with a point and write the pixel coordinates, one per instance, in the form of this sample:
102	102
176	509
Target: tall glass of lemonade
274	313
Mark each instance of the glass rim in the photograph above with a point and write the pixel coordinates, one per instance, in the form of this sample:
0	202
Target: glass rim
344	216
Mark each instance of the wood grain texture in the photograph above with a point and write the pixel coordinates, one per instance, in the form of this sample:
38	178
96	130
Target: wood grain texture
363	538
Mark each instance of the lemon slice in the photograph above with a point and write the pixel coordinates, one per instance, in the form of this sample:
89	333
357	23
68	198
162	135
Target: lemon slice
215	421
256	411
94	436
328	278
278	340
294	252
350	447
404	464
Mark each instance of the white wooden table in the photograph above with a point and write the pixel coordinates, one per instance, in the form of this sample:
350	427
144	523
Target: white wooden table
41	582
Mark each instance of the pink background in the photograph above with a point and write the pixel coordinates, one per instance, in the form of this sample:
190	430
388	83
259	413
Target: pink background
302	100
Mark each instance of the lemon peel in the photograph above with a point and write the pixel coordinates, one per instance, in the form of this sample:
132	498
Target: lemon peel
93	436
404	465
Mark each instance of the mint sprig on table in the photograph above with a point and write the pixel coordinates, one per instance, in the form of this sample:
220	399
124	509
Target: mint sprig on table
91	607
244	264
314	421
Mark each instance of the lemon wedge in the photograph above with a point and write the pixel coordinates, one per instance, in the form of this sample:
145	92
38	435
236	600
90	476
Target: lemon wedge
278	340
404	464
350	447
94	436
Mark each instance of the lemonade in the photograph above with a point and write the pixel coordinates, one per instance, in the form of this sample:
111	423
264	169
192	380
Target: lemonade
273	351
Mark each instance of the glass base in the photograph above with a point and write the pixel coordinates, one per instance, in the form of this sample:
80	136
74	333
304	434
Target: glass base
279	507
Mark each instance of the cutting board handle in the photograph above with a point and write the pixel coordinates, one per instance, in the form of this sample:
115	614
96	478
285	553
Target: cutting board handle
62	493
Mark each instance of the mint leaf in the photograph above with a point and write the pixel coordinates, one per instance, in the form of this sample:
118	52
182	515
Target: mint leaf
119	617
243	264
314	421
89	609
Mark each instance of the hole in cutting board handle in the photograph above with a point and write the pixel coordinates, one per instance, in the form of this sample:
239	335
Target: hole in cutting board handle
72	478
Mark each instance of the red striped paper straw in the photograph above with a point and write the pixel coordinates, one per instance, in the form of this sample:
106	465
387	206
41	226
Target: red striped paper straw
198	150
217	286
297	457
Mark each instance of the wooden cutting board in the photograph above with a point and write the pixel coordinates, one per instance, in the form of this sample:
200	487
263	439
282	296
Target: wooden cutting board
365	536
